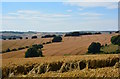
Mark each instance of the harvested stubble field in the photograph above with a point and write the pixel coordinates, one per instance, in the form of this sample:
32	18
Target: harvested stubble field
11	44
69	45
106	65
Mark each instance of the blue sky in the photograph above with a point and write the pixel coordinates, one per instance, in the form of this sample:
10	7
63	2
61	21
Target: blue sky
59	16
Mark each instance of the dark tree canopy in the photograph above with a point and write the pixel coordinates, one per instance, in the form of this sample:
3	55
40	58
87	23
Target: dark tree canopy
20	37
8	50
94	48
117	32
33	52
34	37
26	37
57	39
14	38
39	46
48	36
115	40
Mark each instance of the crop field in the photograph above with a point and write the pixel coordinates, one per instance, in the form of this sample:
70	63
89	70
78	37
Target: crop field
63	59
110	48
11	44
68	46
104	65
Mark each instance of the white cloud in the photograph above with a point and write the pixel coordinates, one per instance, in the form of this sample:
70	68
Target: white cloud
23	20
108	5
33	14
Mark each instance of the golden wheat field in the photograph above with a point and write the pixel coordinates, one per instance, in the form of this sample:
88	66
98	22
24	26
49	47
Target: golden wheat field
106	65
69	45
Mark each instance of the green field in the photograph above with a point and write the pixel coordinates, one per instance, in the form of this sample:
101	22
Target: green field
109	48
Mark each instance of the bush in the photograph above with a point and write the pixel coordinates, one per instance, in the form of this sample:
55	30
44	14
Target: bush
14	49
8	50
43	43
4	38
48	42
3	51
26	46
57	39
26	37
33	52
34	37
48	36
39	46
10	38
20	37
21	48
115	40
106	45
14	38
94	48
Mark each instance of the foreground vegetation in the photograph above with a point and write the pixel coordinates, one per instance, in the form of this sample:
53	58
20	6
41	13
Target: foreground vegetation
57	66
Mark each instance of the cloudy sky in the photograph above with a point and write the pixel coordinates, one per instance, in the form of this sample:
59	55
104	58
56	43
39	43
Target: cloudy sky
59	16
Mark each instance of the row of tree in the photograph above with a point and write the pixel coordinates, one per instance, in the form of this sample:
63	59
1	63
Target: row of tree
80	33
14	38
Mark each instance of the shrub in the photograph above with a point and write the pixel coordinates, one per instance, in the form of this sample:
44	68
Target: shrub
48	36
34	37
57	39
20	37
8	50
48	42
21	48
14	38
43	43
10	38
39	46
3	51
33	52
4	38
26	37
26	46
115	40
117	32
94	48
106	45
98	33
14	49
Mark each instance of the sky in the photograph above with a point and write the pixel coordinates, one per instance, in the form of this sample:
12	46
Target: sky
59	16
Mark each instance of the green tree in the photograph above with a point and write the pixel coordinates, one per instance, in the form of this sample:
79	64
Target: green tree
94	47
57	39
33	52
39	46
116	40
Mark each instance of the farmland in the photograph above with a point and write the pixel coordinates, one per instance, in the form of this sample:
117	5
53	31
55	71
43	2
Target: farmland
68	46
62	59
62	66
